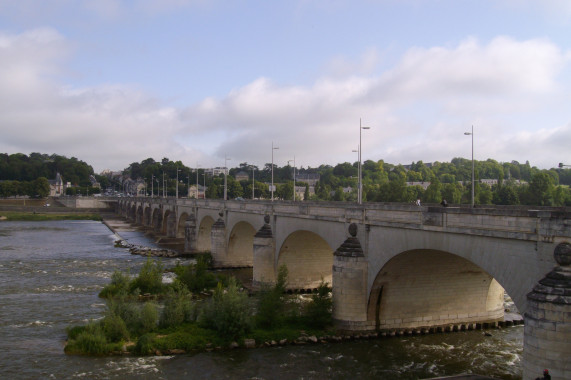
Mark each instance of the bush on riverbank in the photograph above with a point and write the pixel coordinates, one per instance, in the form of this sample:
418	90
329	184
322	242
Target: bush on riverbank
30	216
182	323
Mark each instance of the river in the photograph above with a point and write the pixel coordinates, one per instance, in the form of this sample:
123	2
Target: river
51	272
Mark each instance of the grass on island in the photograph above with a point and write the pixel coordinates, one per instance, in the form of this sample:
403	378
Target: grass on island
36	216
145	316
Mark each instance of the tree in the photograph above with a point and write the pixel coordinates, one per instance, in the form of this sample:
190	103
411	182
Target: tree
433	192
506	195
540	189
41	187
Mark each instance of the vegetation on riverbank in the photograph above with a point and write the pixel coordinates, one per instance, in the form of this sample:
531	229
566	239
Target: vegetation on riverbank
37	216
175	320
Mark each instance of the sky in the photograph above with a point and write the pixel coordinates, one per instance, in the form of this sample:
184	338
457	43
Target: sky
209	82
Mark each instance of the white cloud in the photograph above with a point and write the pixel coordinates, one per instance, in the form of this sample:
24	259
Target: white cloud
418	110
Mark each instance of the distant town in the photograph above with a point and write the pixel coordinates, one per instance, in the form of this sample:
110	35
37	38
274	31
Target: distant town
507	183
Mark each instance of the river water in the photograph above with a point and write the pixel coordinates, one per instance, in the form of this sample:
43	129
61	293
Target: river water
51	272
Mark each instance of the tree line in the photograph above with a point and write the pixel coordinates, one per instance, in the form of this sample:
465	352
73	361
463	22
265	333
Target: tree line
515	183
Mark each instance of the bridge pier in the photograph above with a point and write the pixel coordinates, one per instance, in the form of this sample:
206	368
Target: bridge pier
264	270
547	331
218	241
349	284
190	234
171	225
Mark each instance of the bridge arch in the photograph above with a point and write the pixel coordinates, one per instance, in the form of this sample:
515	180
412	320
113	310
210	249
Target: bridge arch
157	219
421	288
309	259
181	225
147	216
203	241
241	245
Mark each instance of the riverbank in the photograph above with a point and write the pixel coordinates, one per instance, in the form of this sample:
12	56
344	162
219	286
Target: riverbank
34	216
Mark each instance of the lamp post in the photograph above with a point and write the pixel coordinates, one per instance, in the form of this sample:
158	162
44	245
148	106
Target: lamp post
196	182
152	185
562	165
253	182
158	187
360	195
225	175
273	148
293	176
204	187
357	151
188	185
472	134
163	184
177	170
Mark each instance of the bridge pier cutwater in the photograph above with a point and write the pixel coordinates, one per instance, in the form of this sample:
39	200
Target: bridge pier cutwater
395	267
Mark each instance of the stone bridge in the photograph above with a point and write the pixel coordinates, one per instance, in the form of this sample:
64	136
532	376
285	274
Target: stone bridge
395	266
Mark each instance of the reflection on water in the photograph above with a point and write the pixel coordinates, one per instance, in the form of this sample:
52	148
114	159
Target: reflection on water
51	272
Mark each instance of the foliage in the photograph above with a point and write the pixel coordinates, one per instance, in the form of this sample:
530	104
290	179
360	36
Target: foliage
319	311
178	308
270	313
88	340
114	328
120	283
37	217
150	278
196	277
227	312
146	344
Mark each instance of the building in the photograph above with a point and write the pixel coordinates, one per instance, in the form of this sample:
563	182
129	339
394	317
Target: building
242	176
310	178
57	188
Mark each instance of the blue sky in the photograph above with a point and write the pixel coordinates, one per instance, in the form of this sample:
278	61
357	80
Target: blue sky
113	82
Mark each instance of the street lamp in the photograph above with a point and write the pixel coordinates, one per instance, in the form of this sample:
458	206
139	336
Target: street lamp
562	165
152	186
360	195
358	191
472	134
196	182
293	176
273	148
177	170
253	182
204	187
225	175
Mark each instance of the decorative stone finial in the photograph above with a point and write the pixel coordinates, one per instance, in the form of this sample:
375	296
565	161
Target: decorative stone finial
562	254
353	229
266	219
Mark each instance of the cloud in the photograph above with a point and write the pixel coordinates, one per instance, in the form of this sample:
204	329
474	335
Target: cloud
417	110
108	125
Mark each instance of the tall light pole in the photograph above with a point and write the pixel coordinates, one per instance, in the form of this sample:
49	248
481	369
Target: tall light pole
360	195
226	158
204	187
152	185
158	187
177	170
253	182
358	191
163	184
188	185
472	134
293	176
196	182
273	148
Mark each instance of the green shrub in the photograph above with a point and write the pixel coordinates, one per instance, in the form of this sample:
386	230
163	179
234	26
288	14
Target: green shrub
178	307
119	285
150	278
149	318
227	312
146	344
89	341
73	332
196	277
319	311
271	302
114	328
